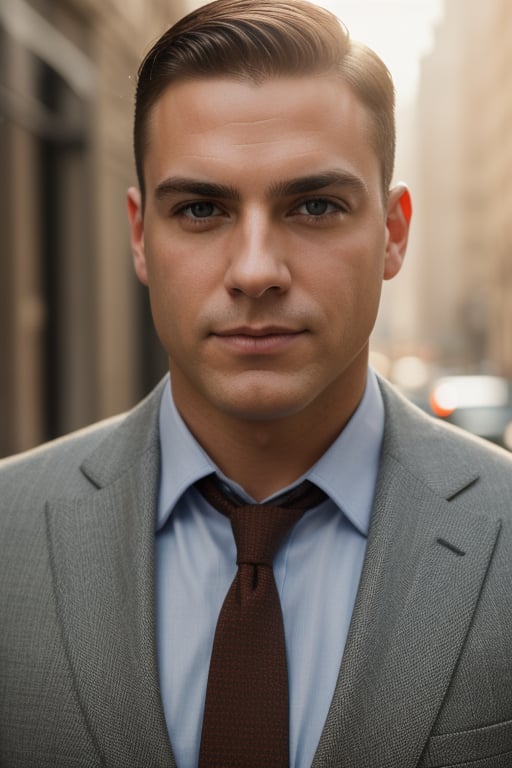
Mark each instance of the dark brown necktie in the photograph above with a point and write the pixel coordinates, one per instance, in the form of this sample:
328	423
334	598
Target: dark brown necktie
246	712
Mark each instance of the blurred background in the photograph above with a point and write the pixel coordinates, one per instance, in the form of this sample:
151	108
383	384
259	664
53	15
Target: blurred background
76	340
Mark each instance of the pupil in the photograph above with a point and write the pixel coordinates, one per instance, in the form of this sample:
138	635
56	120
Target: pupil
316	207
202	210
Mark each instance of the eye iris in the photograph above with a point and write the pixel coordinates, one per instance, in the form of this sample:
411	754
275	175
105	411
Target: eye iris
316	207
201	210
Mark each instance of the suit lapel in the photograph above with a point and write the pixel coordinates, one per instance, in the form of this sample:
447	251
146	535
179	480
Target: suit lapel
424	568
102	554
425	563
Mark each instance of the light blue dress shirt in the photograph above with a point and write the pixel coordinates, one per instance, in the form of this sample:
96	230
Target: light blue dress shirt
317	571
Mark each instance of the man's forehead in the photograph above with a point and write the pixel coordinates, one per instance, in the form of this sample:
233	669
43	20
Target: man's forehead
305	124
203	99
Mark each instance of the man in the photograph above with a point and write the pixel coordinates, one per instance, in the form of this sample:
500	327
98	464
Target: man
263	226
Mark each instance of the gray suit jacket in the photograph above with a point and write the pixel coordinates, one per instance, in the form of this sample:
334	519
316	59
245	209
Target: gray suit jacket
426	678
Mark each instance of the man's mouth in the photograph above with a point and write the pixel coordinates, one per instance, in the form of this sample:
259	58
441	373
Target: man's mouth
266	339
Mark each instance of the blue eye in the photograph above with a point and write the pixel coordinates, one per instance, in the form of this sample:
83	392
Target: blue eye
317	207
199	215
201	210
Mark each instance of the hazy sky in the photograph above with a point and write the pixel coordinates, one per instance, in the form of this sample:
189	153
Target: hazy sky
400	31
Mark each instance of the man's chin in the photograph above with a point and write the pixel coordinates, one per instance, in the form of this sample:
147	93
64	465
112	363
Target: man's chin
249	396
264	404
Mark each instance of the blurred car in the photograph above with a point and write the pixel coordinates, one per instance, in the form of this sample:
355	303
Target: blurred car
479	404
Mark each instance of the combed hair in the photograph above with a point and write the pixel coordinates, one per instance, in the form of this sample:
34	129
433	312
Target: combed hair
257	40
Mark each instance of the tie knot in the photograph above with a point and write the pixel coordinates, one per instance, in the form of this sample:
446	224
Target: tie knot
258	529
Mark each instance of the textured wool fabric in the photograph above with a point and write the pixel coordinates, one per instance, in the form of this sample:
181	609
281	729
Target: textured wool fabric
246	713
426	674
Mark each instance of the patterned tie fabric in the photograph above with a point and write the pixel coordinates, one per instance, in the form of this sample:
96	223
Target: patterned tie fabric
246	712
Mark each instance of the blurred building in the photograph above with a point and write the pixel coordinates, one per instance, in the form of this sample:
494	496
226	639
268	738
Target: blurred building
76	340
464	207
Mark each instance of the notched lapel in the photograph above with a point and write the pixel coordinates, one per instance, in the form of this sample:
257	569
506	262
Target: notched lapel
102	558
424	569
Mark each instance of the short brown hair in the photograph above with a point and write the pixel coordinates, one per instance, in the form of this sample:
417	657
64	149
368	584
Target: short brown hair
257	40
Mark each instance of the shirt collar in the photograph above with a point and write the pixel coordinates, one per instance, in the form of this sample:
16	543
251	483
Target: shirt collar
183	461
347	471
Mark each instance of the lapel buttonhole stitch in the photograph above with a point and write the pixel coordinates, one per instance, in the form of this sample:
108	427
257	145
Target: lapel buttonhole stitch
451	547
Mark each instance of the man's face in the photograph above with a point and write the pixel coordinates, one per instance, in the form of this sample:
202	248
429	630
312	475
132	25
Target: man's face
264	242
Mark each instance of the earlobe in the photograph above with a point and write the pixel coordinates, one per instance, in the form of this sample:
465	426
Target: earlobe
398	220
136	219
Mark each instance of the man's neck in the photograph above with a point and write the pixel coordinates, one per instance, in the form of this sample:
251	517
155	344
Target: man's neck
265	456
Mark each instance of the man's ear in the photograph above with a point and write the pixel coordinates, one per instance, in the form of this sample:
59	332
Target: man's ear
399	212
136	219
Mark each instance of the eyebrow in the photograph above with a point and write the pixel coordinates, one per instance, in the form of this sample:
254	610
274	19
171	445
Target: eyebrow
300	185
183	185
316	182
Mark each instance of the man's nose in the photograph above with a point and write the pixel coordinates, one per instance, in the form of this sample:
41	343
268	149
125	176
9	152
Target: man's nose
257	259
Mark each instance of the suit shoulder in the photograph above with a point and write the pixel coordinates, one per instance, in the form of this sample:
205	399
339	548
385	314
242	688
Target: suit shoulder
82	461
56	463
443	456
